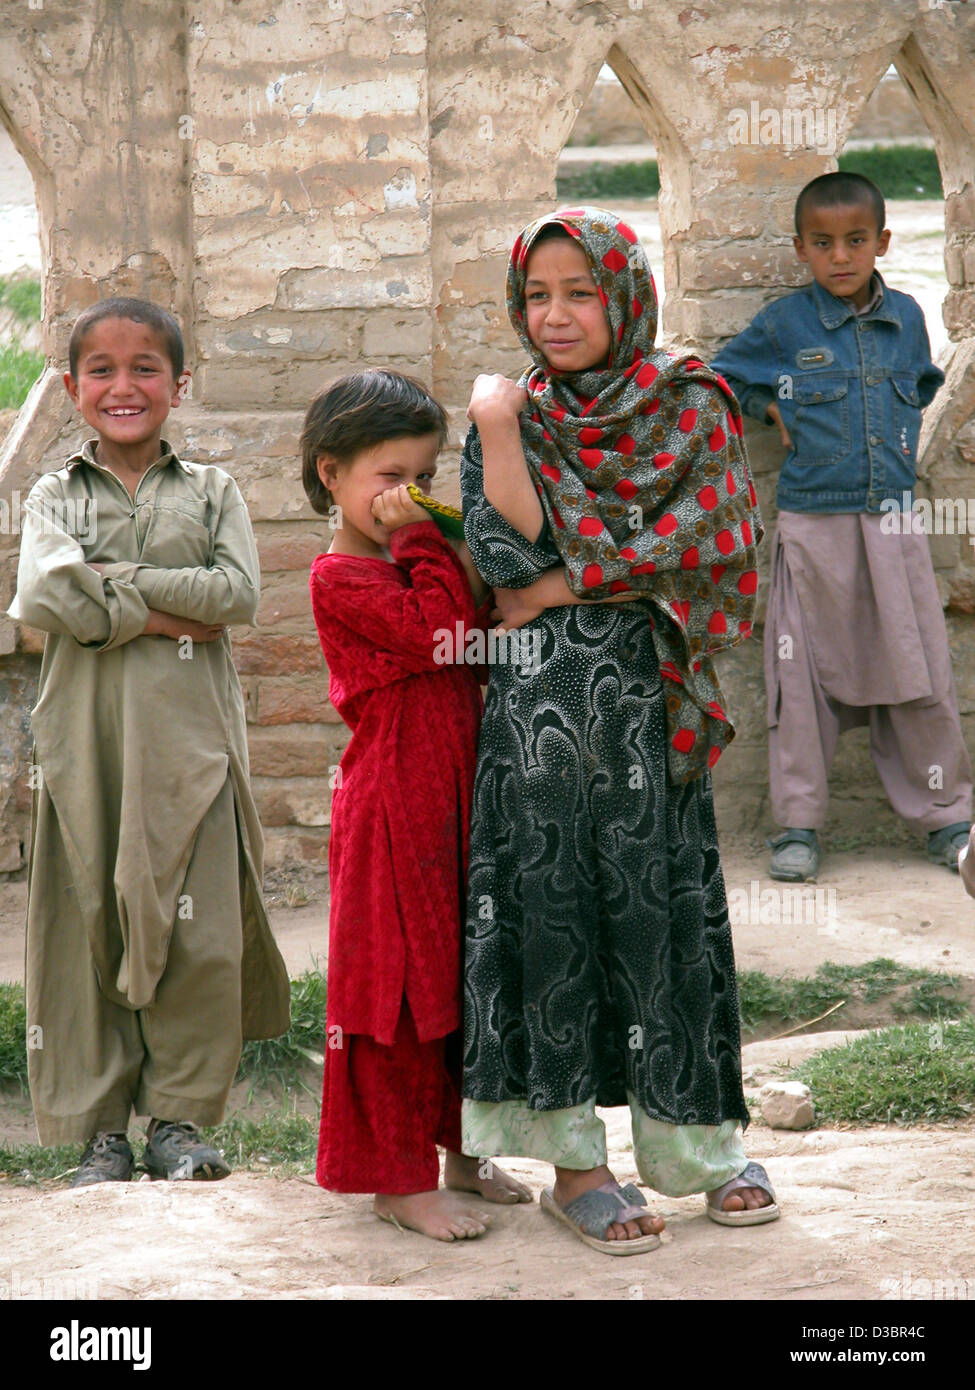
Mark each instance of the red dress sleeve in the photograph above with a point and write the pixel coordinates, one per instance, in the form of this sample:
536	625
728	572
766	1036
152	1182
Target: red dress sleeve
429	595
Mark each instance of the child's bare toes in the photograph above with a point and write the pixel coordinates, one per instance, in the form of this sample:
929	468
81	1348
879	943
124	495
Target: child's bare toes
483	1176
438	1214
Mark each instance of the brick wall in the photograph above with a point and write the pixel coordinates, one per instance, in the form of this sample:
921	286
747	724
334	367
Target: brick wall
313	188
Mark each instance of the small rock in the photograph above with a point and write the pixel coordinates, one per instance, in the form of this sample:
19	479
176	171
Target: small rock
787	1105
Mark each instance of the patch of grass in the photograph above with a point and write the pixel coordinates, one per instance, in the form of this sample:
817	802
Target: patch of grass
764	996
283	1061
286	1142
899	171
30	1164
23	298
13	1034
601	182
19	369
917	1074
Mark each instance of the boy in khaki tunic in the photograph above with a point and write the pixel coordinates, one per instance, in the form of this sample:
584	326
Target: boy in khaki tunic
149	954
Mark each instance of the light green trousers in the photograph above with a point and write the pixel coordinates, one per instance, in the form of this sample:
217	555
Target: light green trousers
673	1159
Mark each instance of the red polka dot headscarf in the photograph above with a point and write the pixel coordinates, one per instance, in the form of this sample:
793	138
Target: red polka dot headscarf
641	471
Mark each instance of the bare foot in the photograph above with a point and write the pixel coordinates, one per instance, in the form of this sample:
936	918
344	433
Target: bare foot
746	1199
437	1214
570	1183
483	1176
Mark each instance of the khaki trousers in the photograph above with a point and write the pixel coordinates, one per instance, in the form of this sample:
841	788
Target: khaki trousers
91	1061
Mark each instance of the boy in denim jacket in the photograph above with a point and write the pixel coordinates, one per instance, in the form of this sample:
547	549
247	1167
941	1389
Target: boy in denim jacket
855	631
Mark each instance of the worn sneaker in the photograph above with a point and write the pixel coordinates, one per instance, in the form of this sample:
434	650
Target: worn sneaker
795	855
108	1158
945	845
176	1151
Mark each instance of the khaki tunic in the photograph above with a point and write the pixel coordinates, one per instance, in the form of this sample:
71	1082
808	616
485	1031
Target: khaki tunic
137	737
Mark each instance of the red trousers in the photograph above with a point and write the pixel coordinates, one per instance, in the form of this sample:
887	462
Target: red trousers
385	1110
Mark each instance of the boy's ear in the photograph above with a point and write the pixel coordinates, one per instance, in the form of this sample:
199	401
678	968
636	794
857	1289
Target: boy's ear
71	386
883	241
182	388
799	248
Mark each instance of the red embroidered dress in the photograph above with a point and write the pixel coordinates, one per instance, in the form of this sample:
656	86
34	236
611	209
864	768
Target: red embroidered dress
401	814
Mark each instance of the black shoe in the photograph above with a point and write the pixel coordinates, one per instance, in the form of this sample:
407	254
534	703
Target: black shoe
108	1158
176	1151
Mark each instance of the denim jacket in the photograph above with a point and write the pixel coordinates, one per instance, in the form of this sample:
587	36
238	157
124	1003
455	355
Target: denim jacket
850	389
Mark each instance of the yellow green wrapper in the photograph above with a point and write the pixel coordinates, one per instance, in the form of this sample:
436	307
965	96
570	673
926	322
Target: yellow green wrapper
449	519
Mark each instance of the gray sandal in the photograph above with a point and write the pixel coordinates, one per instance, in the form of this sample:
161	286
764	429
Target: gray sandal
753	1175
591	1215
795	855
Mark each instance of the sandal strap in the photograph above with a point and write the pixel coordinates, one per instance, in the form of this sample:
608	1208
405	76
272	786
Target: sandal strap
595	1211
752	1175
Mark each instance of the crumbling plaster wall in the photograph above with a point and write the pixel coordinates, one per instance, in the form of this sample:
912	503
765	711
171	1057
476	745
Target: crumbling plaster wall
317	186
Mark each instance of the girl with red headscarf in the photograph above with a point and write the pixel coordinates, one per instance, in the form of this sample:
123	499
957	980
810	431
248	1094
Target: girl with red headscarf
607	499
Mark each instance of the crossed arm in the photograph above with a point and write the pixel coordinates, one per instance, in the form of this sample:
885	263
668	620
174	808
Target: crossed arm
507	489
103	605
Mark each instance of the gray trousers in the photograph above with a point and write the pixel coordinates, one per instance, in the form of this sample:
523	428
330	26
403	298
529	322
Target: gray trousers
917	747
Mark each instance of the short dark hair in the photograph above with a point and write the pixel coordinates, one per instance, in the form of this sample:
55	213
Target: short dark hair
357	412
841	190
136	311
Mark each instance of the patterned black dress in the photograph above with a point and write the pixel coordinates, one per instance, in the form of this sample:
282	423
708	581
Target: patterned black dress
598	948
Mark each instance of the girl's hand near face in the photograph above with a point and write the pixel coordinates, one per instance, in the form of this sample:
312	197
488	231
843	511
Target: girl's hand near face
395	508
495	398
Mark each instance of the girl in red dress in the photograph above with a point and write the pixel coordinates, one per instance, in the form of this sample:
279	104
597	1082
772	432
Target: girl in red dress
384	596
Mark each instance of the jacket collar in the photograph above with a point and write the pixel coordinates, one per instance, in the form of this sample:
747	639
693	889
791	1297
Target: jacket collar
86	454
833	311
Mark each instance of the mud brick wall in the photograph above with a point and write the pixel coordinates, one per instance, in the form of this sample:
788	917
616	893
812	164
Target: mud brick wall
316	187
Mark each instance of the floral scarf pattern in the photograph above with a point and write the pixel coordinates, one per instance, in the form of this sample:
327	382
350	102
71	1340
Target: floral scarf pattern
641	471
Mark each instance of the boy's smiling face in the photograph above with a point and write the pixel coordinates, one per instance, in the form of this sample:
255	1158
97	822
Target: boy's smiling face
841	245
125	386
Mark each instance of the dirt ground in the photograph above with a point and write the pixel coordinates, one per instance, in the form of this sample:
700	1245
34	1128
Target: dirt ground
867	1214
